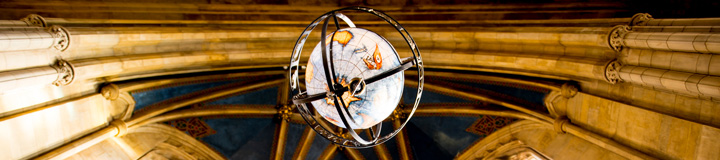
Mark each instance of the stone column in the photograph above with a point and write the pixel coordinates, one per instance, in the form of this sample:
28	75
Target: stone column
60	74
676	61
32	35
681	82
621	37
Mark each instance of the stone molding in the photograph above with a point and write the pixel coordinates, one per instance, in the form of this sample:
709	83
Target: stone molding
62	37
35	20
558	124
612	71
615	37
66	72
121	127
640	19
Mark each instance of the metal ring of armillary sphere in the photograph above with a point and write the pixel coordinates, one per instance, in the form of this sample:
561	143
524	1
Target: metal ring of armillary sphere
351	93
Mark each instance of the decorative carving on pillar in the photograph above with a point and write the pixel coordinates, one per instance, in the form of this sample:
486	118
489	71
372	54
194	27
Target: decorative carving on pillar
110	91
616	35
568	90
62	37
35	20
121	127
612	70
284	112
66	72
558	124
640	19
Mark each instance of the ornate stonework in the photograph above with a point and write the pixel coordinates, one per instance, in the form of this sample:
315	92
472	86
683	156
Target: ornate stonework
640	19
62	37
285	112
612	70
195	127
66	72
110	91
486	125
616	35
568	90
35	20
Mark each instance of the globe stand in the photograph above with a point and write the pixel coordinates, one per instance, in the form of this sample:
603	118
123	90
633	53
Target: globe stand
357	85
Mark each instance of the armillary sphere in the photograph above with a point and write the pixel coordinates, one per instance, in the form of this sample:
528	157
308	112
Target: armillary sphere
353	78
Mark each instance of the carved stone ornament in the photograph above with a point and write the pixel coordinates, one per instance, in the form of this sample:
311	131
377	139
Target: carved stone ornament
284	113
568	90
616	35
110	91
62	37
612	70
640	19
35	20
66	73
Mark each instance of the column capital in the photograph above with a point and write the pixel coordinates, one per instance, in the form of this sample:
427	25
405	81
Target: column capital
640	19
35	20
612	70
66	72
616	35
62	37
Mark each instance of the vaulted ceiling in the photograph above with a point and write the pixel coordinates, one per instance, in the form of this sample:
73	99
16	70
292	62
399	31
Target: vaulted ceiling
432	136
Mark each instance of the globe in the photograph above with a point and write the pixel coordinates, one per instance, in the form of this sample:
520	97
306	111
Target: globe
357	54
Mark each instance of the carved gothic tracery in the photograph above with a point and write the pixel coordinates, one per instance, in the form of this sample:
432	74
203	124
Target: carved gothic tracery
640	19
66	72
612	70
34	20
62	37
615	37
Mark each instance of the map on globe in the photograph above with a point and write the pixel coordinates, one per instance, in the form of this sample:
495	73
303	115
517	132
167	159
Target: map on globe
357	53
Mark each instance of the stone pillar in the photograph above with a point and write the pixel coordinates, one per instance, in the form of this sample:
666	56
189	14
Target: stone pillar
681	82
676	61
60	74
32	35
621	37
674	41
